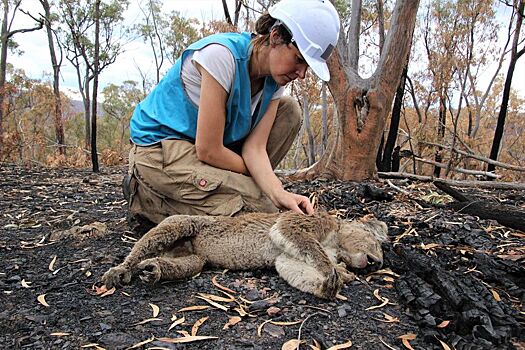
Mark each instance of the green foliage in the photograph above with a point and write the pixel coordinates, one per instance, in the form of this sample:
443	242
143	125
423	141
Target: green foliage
182	32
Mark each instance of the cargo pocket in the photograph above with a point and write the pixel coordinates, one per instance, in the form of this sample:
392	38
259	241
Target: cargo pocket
201	185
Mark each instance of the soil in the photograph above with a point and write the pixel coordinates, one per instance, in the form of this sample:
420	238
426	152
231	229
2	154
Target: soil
449	280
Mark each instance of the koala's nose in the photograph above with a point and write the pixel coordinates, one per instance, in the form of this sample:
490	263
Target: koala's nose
372	260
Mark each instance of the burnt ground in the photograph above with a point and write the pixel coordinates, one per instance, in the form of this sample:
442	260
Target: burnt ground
449	280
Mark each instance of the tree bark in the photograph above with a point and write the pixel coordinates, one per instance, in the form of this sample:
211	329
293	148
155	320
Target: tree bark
363	105
59	125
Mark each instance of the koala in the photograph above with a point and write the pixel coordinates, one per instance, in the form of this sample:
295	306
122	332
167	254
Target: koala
310	252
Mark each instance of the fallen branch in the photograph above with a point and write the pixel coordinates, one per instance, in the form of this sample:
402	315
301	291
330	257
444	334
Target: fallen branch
458	183
507	215
478	157
459	170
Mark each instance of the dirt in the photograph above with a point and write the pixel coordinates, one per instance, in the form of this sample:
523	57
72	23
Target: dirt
448	280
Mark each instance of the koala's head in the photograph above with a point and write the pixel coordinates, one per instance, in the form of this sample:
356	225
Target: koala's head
360	242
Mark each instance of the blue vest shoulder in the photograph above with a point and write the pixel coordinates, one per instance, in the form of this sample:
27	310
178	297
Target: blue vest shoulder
167	112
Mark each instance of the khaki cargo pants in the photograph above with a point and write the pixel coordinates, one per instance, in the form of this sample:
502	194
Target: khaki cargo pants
167	178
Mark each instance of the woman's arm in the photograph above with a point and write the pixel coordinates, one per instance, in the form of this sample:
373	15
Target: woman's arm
257	161
210	127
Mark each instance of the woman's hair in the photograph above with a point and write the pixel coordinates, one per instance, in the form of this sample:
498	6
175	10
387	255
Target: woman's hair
263	28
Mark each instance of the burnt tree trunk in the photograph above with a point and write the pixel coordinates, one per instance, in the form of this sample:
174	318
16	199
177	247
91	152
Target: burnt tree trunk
363	105
515	55
385	163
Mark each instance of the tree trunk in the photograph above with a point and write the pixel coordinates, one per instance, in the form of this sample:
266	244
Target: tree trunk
310	153
59	125
94	156
442	120
515	55
324	118
3	67
363	105
386	159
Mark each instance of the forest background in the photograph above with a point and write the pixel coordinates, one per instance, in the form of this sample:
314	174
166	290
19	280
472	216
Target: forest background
443	120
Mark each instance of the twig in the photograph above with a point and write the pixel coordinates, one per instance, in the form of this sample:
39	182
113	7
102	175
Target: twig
301	326
399	189
458	183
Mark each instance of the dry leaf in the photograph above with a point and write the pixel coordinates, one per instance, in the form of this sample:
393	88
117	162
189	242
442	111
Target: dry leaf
430	246
194	308
25	284
444	345
315	346
278	323
495	295
232	322
92	345
388	279
443	324
51	266
42	300
211	302
147	321
196	326
405	339
176	323
346	345
341	297
220	286
292	344
59	334
217	298
156	309
385	272
408	336
185	339
388	318
388	346
184	333
138	345
406	343
259	329
378	306
108	292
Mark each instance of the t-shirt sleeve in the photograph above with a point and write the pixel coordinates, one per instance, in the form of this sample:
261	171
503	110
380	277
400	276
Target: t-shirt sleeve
278	94
218	62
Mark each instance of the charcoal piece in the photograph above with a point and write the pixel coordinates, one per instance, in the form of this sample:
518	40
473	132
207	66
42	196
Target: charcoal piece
431	292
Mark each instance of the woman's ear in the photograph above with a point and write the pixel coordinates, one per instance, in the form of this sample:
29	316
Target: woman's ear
275	37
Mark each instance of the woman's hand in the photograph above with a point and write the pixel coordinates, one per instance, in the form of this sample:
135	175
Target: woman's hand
294	202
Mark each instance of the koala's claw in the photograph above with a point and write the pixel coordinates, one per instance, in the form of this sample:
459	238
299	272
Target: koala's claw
332	285
116	276
345	275
149	271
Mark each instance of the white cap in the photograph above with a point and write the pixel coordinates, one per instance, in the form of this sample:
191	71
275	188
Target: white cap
314	25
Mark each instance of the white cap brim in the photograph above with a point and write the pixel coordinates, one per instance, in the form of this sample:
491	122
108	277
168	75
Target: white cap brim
320	68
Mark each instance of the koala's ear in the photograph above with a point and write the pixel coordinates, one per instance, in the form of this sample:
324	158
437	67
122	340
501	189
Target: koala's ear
379	229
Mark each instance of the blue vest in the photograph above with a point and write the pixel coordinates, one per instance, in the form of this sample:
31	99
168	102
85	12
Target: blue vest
168	113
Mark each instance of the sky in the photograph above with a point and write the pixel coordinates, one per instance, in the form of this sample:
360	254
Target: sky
36	63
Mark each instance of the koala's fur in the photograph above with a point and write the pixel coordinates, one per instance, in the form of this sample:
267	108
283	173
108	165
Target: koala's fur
309	252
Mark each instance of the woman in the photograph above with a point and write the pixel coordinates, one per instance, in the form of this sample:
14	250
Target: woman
208	136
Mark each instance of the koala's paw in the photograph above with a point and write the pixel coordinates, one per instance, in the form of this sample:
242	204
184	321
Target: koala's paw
331	286
149	271
116	276
345	275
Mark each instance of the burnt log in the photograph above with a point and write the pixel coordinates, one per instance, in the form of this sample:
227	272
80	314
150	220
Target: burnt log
506	215
434	294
